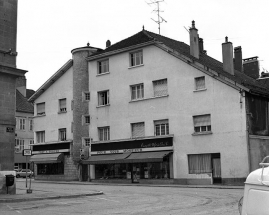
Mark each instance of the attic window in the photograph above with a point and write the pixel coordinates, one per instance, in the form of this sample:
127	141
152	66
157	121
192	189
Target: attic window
200	83
136	58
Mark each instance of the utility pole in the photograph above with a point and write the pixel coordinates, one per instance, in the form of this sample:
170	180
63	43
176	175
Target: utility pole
160	19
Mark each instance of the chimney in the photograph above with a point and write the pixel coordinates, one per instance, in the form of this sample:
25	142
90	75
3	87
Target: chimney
251	67
201	45
227	56
238	58
108	43
21	85
194	41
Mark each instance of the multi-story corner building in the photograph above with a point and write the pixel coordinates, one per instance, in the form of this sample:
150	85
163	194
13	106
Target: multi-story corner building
24	126
151	109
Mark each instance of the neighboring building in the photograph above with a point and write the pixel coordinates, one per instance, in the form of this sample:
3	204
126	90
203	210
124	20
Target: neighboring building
152	109
24	127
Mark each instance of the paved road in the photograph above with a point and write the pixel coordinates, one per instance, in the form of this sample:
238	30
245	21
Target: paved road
131	200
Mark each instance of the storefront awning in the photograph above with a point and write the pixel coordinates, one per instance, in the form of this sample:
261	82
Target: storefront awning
147	157
47	158
106	159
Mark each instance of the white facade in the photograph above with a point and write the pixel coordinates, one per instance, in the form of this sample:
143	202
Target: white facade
222	102
53	119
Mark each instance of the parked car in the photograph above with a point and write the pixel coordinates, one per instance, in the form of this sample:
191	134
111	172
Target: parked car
22	173
256	192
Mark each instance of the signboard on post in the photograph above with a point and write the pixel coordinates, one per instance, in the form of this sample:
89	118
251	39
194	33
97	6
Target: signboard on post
27	152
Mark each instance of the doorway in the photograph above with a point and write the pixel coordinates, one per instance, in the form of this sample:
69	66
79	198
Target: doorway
216	169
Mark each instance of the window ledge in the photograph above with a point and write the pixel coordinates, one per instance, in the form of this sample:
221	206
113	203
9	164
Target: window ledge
105	73
156	97
100	106
202	133
200	90
131	67
60	112
40	115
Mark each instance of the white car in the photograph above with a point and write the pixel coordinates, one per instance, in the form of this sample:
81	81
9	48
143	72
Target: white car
22	173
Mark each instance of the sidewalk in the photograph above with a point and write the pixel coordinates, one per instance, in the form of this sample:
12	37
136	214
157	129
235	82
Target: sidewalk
38	194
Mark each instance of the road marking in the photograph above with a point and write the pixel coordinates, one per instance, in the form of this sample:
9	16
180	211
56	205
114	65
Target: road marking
107	199
11	208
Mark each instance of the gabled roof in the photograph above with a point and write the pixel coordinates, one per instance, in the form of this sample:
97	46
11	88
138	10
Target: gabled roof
51	80
22	104
177	48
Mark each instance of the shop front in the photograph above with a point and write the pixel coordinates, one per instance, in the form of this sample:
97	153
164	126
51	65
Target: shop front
51	161
133	159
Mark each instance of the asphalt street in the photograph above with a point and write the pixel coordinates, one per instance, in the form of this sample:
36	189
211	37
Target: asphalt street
121	199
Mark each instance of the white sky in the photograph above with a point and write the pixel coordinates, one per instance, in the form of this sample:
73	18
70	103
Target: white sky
49	30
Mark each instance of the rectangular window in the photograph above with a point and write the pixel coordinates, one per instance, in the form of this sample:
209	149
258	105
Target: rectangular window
40	108
87	119
200	83
32	142
136	58
19	145
31	125
103	66
87	96
103	98
40	136
87	141
160	87
137	91
104	133
202	123
200	163
22	124
138	129
161	127
62	105
62	134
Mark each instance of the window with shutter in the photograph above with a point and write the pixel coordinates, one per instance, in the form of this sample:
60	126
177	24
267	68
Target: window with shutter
160	87
200	83
62	104
138	129
40	108
202	123
199	164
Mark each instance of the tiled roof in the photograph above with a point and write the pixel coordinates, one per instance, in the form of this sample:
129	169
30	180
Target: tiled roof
184	49
22	105
29	93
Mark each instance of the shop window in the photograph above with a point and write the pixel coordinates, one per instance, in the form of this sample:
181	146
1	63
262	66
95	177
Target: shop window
136	58
160	88
161	127
138	129
62	105
40	136
50	169
199	163
137	91
103	98
103	66
104	133
200	83
62	134
202	123
40	109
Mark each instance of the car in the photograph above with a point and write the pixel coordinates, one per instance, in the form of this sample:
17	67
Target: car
22	173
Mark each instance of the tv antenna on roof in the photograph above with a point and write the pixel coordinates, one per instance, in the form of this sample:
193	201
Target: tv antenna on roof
157	10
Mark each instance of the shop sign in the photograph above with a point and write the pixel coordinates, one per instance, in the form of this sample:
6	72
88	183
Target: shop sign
27	152
51	151
140	145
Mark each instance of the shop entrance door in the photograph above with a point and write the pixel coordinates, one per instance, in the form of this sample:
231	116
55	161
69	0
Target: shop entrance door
84	172
216	173
135	173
